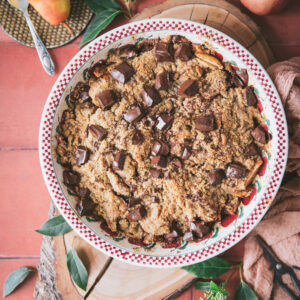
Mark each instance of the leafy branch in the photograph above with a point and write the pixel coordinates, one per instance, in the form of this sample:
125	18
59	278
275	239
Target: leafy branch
214	268
106	11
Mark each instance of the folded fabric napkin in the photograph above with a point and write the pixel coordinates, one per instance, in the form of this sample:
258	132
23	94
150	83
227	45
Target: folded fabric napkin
281	226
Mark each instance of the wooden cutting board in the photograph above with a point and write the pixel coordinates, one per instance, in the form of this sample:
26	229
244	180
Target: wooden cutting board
110	278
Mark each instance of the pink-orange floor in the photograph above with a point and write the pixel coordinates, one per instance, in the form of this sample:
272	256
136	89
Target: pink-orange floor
24	87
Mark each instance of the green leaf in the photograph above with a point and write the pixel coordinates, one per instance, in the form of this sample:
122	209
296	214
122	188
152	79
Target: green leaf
77	269
97	6
14	279
244	292
55	227
214	287
67	100
203	286
100	22
211	268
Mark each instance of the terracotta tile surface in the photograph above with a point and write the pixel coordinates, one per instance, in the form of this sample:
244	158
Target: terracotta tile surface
24	203
24	87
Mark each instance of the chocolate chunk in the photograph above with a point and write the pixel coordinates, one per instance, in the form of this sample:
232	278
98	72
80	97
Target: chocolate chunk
147	45
84	193
154	199
134	201
129	50
188	236
84	95
160	148
106	228
176	38
164	121
199	229
137	138
176	162
251	150
250	96
164	52
70	178
188	88
236	170
184	52
138	242
159	160
98	69
122	72
205	123
98	132
150	121
119	161
155	173
82	155
260	135
85	207
151	96
240	77
162	81
216	176
187	152
137	214
133	115
170	237
106	99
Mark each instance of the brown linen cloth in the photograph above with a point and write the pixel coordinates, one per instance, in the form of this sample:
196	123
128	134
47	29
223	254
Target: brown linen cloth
281	226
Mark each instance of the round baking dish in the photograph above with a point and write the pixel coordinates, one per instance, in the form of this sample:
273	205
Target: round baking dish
225	234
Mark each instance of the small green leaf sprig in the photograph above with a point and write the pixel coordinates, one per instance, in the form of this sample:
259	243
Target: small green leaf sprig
214	268
106	11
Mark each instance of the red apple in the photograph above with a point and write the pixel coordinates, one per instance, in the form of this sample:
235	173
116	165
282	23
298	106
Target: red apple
265	7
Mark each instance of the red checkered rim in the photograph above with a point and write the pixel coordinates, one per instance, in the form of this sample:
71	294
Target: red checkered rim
68	73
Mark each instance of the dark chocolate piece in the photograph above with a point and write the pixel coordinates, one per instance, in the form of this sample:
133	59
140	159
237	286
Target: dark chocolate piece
162	81
164	52
82	155
170	237
216	176
199	229
147	45
159	160
186	153
240	77
250	96
188	236
251	150
188	88
137	214
151	96
106	99
164	121
98	132
155	173
86	207
84	193
129	50
134	201
133	115
122	72
236	170
205	123
150	121
70	178
119	161
176	162
160	148
137	138
260	135
184	52
154	199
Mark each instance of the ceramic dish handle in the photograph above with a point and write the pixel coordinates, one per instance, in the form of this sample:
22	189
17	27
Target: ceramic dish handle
40	47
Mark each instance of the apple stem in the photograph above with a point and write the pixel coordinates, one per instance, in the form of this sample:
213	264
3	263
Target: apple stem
68	28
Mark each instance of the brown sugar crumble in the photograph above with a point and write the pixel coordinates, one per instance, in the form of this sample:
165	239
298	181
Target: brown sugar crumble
161	141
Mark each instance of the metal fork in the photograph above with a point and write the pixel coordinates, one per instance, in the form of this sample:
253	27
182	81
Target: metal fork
44	55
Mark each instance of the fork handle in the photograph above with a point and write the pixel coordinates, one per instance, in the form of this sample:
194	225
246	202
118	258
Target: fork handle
44	55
